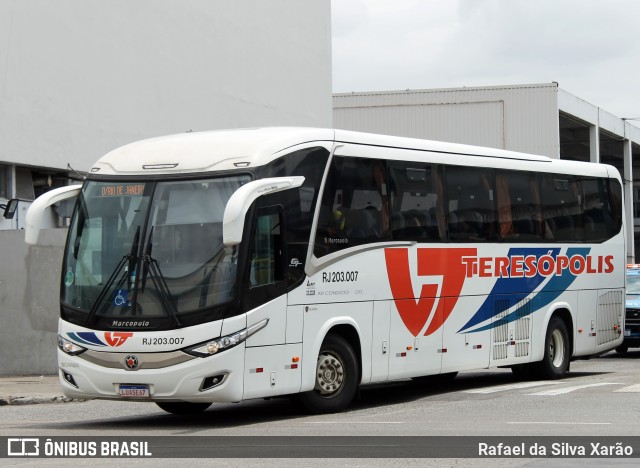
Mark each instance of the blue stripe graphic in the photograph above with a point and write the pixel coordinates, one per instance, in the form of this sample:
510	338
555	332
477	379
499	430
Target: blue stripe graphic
516	288
556	285
87	338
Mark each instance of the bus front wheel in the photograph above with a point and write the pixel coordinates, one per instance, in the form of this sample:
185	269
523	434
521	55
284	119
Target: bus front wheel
336	377
555	363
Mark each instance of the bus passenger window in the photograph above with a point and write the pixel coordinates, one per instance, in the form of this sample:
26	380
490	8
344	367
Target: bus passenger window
614	206
354	208
563	208
519	206
415	202
472	215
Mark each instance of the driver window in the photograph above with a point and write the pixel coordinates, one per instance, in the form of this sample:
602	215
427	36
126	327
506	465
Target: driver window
266	258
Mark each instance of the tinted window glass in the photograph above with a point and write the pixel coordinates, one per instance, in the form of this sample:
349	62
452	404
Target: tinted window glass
417	211
265	260
439	203
597	218
563	209
354	208
299	204
519	206
470	194
614	207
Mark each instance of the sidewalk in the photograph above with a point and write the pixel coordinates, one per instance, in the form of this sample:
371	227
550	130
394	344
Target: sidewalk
29	390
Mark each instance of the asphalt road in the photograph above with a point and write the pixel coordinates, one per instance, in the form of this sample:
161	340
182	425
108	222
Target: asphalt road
599	397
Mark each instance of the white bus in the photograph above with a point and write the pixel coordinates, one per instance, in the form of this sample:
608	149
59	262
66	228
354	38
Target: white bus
229	265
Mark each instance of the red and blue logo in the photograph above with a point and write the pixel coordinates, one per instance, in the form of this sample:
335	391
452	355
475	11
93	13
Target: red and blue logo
538	274
113	339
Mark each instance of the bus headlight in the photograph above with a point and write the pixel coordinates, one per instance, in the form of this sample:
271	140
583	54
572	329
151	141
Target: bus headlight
217	345
69	347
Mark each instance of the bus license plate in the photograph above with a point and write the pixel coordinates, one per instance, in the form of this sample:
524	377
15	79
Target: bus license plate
134	391
627	333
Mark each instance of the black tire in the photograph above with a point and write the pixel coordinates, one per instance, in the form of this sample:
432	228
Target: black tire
622	349
337	377
183	407
555	363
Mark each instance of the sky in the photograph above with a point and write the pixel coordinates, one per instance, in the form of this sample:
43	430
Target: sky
590	47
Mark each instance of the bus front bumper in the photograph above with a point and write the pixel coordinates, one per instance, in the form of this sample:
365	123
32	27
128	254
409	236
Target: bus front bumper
217	378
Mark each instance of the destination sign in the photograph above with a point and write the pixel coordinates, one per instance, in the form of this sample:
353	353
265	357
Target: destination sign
121	190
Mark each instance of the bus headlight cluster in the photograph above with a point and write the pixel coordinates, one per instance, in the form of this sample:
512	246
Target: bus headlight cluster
69	347
217	345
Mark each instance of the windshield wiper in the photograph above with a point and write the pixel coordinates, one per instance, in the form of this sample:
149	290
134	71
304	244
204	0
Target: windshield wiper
145	264
80	224
151	264
131	259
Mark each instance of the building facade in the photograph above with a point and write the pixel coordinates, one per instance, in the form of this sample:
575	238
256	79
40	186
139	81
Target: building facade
81	77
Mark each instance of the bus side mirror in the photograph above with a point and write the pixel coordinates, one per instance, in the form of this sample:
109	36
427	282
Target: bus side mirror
10	209
240	201
36	220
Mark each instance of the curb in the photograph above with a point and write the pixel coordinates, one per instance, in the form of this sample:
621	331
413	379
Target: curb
33	400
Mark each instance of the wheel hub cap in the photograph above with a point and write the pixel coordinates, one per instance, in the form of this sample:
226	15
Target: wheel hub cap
330	374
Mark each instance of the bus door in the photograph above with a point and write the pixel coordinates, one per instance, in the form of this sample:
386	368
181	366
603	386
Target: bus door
269	359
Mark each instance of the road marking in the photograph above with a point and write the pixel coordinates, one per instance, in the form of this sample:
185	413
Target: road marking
629	389
515	386
561	391
559	423
353	422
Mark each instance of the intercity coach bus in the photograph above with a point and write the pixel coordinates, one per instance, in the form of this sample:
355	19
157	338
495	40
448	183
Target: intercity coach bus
228	265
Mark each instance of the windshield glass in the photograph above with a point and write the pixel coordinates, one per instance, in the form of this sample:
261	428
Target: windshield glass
144	250
633	283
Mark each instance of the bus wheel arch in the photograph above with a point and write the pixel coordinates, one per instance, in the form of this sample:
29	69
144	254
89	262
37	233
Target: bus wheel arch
350	334
337	372
558	346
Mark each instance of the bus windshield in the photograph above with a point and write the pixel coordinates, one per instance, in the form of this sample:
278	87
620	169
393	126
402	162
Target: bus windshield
143	250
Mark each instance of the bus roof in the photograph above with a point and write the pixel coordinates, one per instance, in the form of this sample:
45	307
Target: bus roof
204	151
230	149
345	136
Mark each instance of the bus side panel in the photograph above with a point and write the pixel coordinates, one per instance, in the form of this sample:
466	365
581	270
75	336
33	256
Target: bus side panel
380	341
295	322
272	370
464	351
274	332
585	330
412	356
610	319
516	330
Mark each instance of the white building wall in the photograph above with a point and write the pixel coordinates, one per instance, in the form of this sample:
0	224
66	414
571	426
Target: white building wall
519	118
80	77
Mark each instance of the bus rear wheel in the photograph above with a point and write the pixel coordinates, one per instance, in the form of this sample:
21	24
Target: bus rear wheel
336	377
183	407
555	363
